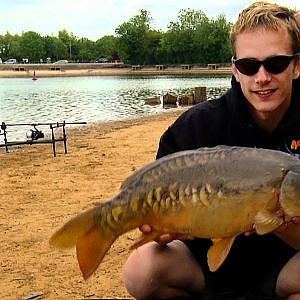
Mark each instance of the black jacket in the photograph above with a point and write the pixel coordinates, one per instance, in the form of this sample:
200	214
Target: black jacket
254	262
226	121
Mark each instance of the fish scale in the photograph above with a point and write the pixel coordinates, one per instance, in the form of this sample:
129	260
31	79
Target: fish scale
215	193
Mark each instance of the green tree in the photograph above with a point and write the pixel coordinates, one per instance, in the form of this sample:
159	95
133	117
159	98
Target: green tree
152	46
86	49
31	46
71	44
54	48
106	47
179	44
194	38
9	46
217	44
133	37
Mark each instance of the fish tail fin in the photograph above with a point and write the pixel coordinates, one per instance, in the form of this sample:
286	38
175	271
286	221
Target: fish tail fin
90	249
91	244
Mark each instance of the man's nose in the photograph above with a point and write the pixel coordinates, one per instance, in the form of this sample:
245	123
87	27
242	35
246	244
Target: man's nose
262	76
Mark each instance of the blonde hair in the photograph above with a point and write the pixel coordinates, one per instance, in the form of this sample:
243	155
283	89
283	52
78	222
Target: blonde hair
268	16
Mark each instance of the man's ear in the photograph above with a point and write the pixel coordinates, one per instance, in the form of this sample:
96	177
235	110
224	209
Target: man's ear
297	68
235	72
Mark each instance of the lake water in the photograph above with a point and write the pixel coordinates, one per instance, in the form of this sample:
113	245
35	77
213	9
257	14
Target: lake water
91	98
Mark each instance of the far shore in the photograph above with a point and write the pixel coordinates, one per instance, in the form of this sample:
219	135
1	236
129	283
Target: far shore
72	70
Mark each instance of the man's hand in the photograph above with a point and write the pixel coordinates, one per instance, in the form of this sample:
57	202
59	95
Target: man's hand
165	238
281	228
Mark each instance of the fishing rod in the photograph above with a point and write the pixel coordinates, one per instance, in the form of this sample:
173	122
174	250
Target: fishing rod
34	135
43	124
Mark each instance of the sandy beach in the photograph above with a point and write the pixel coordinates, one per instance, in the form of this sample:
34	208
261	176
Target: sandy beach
39	193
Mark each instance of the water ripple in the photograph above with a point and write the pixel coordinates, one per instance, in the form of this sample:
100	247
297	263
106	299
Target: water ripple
91	99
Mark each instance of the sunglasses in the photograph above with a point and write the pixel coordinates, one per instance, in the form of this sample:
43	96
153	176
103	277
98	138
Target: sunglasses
274	64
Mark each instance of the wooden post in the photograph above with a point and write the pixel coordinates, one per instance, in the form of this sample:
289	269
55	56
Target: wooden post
170	99
185	100
200	94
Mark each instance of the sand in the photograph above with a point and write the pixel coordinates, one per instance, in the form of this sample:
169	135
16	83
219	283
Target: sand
39	193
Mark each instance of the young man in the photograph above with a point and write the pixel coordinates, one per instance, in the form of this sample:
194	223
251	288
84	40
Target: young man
262	109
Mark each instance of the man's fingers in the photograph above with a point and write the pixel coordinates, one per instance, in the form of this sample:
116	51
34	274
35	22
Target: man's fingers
296	220
145	228
183	236
165	238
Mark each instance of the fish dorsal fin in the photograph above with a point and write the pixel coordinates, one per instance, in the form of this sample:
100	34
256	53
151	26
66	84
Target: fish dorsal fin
266	221
145	238
218	252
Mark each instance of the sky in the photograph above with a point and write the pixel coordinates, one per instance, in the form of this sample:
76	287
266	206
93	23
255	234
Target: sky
95	18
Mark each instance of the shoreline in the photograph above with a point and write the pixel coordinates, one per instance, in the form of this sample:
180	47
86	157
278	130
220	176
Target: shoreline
74	70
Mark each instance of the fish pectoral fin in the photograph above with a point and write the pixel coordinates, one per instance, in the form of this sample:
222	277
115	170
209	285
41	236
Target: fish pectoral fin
218	252
266	221
90	249
145	238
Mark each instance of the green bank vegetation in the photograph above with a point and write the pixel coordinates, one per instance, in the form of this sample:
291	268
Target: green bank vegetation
192	38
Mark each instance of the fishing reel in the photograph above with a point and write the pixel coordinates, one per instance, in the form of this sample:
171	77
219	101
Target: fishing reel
34	134
2	128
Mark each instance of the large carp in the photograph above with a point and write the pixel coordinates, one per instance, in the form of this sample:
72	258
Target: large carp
215	193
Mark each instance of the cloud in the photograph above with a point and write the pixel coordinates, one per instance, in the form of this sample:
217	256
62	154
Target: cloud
96	18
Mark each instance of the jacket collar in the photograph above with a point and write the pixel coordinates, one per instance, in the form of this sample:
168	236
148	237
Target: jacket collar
237	105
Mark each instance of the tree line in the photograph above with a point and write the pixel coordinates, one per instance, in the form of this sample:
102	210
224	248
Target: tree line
192	38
